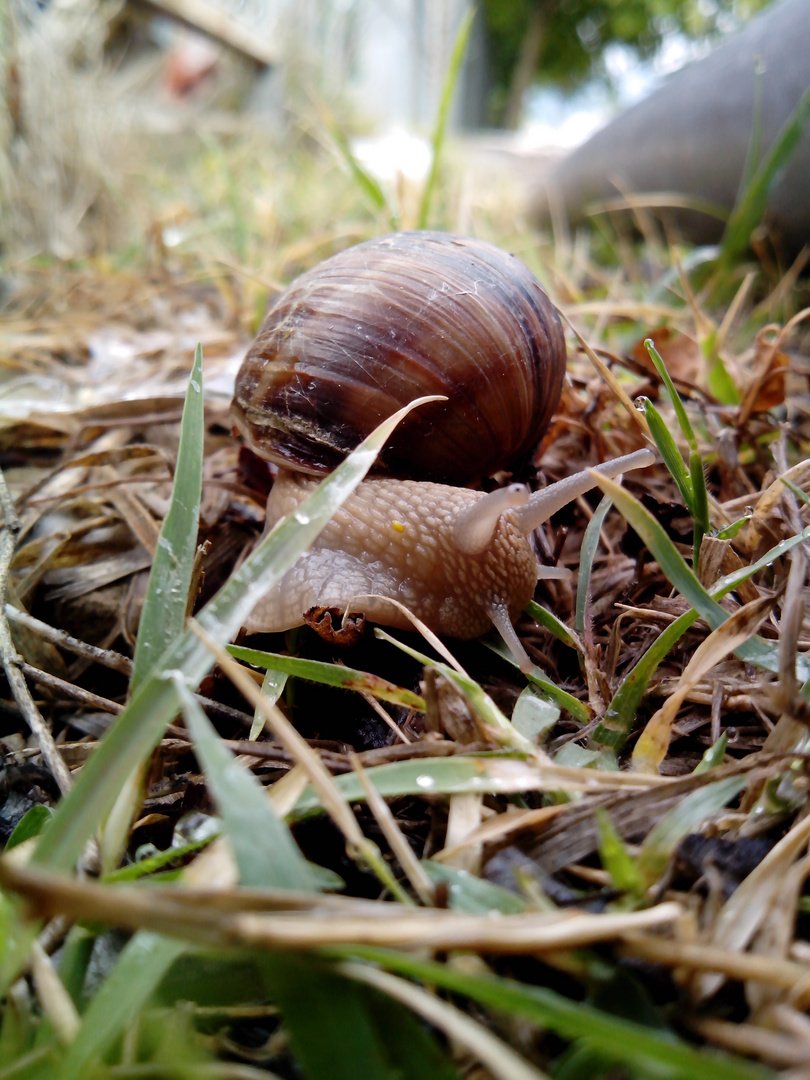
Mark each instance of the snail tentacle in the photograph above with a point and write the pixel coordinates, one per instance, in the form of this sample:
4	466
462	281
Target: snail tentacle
499	613
542	504
476	524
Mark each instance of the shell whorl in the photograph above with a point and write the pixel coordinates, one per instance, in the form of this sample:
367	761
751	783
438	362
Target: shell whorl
370	329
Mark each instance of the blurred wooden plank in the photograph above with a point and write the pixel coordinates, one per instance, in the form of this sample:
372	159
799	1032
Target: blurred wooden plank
220	25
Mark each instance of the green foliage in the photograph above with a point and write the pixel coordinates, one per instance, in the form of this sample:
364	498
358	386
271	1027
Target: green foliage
339	1029
574	34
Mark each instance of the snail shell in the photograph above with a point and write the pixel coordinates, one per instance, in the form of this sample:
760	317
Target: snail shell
397	318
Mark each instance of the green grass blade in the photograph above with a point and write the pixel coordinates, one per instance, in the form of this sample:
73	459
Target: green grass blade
164	606
551	623
616	859
448	89
330	675
613	729
755	650
341	1030
144	961
670	453
700	509
31	824
369	187
621	712
713	756
471	894
660	843
750	209
648	1051
481	702
155	863
590	544
459	775
74	961
273	685
754	152
266	854
140	726
675	397
534	715
720	384
576	708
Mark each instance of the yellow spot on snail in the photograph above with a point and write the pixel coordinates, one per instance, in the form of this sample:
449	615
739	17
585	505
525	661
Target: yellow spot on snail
398	526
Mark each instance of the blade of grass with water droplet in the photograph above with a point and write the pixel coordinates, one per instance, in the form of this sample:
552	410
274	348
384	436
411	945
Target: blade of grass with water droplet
140	726
670	453
674	396
154	863
166	599
486	773
273	685
713	756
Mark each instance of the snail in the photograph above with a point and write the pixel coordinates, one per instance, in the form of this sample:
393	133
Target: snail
350	342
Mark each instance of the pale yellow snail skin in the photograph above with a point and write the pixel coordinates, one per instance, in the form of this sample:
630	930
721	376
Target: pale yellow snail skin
349	343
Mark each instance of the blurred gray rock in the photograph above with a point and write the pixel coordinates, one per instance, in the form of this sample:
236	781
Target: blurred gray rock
692	135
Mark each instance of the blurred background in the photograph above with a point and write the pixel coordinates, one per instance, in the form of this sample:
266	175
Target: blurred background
142	127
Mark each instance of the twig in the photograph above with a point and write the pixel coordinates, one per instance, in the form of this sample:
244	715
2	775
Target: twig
77	693
107	657
11	661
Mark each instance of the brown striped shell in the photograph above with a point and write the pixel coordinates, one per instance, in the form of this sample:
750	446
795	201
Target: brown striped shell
396	318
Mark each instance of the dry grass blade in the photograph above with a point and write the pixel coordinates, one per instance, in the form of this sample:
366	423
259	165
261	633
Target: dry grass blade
747	907
775	1047
56	1003
388	925
786	975
653	743
502	826
499	1058
419	880
637	417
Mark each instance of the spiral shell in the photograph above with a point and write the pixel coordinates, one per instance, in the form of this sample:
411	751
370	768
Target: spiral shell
396	318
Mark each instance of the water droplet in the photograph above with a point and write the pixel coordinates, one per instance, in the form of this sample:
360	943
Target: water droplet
301	518
424	781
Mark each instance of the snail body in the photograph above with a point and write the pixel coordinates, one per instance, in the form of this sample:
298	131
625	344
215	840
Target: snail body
395	540
355	339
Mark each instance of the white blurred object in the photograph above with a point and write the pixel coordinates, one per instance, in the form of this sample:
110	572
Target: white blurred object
394	154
